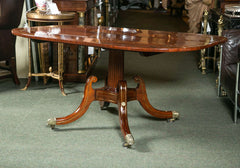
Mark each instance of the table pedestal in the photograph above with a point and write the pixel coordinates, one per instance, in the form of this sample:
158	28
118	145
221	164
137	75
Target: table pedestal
115	91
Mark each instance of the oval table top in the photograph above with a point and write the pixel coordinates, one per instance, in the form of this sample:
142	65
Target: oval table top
121	38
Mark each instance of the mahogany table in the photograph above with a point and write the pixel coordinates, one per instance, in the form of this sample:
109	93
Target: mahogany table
117	40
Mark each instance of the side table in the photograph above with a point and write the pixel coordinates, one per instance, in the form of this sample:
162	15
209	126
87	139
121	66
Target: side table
49	18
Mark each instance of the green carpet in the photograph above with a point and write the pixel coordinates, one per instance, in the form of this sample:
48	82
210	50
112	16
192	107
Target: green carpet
205	135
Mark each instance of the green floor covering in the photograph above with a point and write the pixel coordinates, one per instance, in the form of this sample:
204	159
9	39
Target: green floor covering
204	137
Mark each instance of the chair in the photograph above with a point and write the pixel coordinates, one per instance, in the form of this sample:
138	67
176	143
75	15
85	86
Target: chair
10	16
229	68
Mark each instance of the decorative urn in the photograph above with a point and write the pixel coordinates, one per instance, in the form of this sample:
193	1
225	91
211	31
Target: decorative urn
41	5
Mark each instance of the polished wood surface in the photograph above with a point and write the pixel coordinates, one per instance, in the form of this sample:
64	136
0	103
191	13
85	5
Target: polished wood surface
117	40
121	38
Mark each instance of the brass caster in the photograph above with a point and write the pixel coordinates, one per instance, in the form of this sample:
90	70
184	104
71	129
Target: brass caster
51	122
63	93
204	72
25	88
175	116
224	93
129	141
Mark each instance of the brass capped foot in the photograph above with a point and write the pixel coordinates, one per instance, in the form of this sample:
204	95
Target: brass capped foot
25	88
129	140
51	122
175	116
63	93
